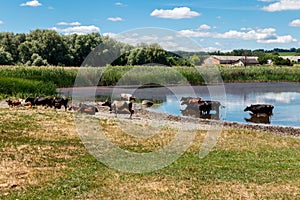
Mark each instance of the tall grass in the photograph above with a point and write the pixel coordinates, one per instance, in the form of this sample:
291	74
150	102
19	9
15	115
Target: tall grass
112	75
60	76
22	88
260	73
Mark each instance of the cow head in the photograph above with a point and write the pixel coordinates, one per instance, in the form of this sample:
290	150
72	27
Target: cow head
248	108
107	103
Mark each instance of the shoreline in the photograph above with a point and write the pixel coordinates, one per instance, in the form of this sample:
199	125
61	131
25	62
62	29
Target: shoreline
143	115
231	88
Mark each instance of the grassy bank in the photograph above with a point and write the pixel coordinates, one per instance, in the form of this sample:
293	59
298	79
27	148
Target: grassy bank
65	76
42	157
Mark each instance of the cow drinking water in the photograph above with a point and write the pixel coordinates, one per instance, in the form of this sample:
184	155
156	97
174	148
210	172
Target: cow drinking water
260	108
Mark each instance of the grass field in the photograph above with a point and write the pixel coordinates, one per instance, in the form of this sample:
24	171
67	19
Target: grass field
42	157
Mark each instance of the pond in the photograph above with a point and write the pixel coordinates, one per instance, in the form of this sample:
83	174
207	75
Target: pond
284	96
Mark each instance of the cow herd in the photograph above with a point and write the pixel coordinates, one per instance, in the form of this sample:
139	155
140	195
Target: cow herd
194	107
56	102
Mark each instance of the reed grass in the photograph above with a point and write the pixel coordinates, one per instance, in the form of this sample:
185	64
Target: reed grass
18	87
131	75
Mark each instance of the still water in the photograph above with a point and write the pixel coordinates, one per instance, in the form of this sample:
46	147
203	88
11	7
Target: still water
236	96
286	101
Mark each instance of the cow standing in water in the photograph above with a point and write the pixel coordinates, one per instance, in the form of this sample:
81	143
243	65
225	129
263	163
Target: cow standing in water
260	108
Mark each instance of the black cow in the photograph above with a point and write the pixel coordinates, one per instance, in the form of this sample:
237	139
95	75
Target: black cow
260	108
44	101
206	106
30	100
59	102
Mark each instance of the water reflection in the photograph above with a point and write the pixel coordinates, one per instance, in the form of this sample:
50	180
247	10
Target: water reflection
259	118
286	108
194	111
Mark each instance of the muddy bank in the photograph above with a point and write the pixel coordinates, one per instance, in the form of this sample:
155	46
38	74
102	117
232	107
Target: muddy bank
144	115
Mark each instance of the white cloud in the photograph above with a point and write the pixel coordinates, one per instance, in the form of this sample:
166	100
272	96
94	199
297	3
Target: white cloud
77	29
282	5
33	3
119	4
295	22
176	13
279	39
69	24
266	35
1	22
204	27
115	19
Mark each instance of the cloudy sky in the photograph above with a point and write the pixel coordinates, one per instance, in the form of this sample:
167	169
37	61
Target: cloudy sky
214	24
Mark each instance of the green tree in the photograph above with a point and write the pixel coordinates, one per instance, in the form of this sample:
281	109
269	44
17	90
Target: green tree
37	60
5	57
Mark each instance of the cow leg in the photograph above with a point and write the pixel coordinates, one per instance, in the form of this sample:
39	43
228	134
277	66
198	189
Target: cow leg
130	109
114	108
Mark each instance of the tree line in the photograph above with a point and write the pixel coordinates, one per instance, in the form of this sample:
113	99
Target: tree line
257	52
47	47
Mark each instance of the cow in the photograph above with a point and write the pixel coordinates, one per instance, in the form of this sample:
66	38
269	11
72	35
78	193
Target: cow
147	103
119	106
44	101
30	100
260	108
88	109
190	101
206	106
59	102
13	103
127	97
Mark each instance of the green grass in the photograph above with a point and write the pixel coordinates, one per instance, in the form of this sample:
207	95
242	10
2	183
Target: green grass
129	75
260	74
43	158
60	76
19	87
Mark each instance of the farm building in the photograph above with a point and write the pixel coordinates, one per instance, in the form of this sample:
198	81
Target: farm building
292	58
232	60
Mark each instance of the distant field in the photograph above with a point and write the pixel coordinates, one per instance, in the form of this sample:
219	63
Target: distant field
42	157
288	53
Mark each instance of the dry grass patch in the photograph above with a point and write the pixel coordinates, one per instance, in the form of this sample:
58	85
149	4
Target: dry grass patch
35	146
42	156
242	139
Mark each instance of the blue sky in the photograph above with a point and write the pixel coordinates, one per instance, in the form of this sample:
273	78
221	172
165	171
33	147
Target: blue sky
214	24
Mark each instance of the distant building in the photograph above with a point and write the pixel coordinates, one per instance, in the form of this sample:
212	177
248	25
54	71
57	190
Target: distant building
232	60
292	58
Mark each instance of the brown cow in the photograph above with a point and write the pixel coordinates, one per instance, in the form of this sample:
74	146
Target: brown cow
13	103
